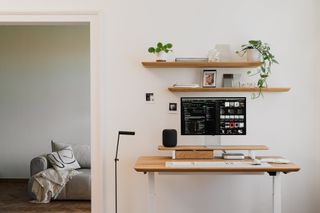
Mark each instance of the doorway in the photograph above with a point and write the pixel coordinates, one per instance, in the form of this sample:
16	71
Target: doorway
64	19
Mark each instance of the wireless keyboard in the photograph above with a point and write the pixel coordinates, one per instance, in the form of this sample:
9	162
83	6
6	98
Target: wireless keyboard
206	164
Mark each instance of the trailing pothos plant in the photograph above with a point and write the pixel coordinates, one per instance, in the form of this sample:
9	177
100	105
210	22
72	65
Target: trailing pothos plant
268	59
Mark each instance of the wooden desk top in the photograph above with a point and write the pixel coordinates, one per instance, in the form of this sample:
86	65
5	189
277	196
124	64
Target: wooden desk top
157	164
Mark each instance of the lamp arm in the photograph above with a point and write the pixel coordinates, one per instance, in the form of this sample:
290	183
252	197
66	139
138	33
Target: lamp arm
116	157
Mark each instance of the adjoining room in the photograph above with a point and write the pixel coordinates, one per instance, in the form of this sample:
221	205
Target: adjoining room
45	108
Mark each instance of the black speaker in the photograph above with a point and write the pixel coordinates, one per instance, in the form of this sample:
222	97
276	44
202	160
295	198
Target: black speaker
169	137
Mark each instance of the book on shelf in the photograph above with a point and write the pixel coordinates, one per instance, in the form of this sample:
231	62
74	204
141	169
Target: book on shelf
186	85
191	59
233	156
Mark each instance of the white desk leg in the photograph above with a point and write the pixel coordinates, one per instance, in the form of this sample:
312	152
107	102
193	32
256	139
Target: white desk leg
152	193
173	154
276	193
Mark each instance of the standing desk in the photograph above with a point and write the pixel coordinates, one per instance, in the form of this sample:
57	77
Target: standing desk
156	164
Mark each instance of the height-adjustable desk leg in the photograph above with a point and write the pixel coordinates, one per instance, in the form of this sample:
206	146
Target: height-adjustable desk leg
152	193
276	192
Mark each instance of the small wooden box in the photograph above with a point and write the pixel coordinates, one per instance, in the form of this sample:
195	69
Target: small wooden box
194	154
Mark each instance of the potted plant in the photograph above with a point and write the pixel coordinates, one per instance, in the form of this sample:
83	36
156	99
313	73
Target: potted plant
161	51
258	51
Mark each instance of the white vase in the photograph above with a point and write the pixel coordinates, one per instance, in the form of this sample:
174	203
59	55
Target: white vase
224	51
161	56
253	55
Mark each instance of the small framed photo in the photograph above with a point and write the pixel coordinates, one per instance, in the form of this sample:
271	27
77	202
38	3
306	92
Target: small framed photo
150	97
173	108
209	78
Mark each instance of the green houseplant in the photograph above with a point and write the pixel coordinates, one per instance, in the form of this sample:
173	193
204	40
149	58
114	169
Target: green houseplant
161	50
267	59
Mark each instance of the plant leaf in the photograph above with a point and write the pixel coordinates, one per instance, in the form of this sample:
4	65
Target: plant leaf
151	50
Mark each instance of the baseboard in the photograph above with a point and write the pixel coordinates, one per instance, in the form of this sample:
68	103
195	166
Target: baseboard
14	180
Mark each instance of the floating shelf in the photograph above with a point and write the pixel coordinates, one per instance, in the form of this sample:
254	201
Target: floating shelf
227	89
202	64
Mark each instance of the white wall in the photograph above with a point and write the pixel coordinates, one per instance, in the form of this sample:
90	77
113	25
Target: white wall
318	97
284	122
44	92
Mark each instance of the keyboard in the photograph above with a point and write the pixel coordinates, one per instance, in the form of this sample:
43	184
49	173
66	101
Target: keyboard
206	164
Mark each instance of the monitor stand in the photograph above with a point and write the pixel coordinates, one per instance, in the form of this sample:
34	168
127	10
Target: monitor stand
213	141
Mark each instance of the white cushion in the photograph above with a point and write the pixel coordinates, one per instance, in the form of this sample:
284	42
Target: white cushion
63	159
81	152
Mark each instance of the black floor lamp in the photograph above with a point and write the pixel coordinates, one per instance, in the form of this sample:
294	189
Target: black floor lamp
116	167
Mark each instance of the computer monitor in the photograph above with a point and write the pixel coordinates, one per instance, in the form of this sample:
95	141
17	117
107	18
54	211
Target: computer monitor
213	116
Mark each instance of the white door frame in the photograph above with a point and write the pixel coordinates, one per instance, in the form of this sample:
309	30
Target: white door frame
62	18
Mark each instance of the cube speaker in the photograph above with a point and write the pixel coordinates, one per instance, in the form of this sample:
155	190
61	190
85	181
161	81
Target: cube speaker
169	137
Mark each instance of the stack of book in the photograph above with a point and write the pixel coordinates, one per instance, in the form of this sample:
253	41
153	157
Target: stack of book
191	59
187	85
233	156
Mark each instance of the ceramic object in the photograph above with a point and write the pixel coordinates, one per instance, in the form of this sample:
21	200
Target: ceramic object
213	55
253	55
161	56
224	51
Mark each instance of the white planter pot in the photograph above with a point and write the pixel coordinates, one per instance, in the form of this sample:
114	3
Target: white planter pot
161	56
253	55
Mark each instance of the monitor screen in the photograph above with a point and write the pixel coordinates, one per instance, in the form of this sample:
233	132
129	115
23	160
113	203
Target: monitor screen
213	116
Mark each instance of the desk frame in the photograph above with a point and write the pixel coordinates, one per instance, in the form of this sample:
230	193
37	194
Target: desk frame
156	164
276	187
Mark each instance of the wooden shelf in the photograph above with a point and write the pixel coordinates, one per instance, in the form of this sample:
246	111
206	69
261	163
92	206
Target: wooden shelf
205	152
205	64
201	64
227	89
225	147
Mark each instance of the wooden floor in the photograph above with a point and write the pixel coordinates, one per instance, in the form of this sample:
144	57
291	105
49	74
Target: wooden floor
14	199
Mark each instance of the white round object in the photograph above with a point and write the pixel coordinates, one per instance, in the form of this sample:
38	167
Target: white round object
253	55
161	56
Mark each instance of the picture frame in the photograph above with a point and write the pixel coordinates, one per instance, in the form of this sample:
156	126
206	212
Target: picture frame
149	97
173	108
209	78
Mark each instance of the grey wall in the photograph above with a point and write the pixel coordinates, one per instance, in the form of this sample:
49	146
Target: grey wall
44	92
